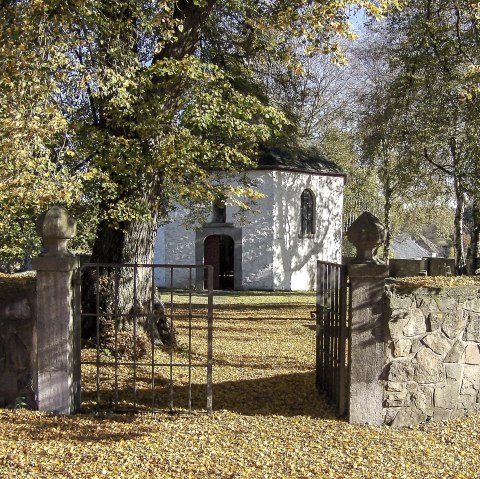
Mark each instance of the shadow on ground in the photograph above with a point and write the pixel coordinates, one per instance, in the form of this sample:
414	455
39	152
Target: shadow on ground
283	395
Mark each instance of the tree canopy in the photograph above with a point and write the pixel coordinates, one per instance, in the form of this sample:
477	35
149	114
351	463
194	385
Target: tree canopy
120	109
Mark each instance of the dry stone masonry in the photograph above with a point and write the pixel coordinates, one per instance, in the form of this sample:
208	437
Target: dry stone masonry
432	367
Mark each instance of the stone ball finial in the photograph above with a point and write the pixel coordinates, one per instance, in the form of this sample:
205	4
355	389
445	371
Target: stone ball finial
56	227
366	233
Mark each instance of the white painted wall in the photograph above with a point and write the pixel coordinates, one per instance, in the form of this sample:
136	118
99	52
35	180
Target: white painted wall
178	248
159	257
295	257
257	235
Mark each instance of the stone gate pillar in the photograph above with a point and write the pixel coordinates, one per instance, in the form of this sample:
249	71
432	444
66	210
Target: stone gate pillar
367	280
55	382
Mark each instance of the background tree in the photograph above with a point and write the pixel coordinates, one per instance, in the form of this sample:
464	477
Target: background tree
428	102
438	55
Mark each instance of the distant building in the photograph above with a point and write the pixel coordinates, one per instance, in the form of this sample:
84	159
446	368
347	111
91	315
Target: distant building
297	222
406	247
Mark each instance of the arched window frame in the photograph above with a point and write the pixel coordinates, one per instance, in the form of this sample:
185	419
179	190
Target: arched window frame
307	213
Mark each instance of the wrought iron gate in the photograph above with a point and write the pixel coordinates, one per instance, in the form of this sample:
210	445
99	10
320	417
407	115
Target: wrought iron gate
144	355
333	333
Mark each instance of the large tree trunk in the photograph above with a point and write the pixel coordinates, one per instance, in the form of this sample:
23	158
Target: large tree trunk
124	290
133	242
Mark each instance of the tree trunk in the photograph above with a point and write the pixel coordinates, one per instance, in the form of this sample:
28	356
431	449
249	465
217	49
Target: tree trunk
124	290
459	247
133	242
460	264
475	244
387	245
388	202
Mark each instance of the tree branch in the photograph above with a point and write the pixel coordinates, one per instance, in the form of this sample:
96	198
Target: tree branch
435	164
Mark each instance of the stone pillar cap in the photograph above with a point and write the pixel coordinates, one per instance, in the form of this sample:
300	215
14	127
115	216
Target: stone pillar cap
56	227
366	233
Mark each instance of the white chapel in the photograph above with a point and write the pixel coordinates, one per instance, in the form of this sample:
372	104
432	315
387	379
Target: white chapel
298	221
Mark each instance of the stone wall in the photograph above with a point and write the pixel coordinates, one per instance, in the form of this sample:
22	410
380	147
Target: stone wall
401	268
432	362
17	340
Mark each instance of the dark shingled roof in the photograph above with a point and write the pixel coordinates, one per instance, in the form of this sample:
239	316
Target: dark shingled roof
307	160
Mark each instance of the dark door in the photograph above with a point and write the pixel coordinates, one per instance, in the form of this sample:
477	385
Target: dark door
219	252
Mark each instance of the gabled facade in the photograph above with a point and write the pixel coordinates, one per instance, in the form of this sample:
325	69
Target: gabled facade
297	222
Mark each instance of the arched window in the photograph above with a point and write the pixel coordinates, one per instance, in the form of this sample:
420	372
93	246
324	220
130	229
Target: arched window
219	213
307	202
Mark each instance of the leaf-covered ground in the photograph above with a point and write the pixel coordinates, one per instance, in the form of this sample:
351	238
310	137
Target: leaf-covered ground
268	420
437	281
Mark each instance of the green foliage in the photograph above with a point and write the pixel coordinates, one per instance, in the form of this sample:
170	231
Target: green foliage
421	113
20	402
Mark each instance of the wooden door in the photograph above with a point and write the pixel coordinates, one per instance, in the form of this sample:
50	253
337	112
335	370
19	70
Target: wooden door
211	256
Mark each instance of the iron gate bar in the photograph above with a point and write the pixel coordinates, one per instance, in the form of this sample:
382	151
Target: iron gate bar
190	342
115	319
152	343
168	312
210	340
332	333
97	308
171	335
135	272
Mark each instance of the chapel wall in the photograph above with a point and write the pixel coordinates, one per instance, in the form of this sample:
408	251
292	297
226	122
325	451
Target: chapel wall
295	256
